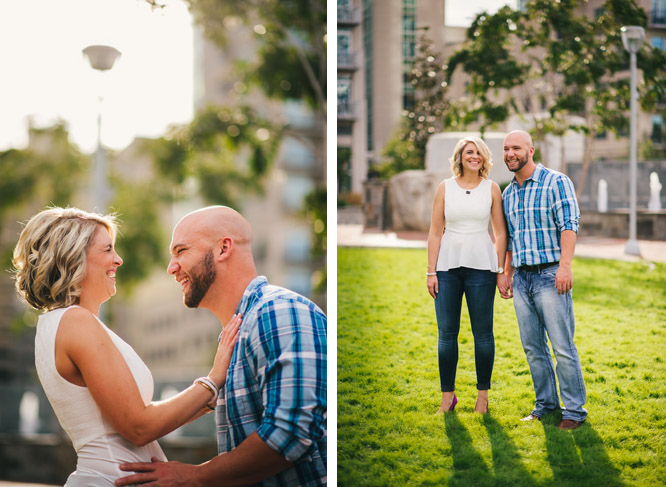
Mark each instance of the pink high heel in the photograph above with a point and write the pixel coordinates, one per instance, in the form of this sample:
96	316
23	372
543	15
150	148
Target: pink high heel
453	403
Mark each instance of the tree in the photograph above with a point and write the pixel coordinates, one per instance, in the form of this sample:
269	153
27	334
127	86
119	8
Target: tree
209	151
424	117
292	46
571	64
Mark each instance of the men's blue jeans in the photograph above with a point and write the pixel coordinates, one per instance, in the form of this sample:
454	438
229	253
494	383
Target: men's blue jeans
543	313
478	286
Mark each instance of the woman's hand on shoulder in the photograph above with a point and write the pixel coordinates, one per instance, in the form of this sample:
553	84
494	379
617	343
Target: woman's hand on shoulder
225	349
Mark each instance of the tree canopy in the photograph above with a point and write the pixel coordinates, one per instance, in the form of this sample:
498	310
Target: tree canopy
552	55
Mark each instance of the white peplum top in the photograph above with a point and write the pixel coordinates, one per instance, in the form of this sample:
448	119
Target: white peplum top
100	448
466	241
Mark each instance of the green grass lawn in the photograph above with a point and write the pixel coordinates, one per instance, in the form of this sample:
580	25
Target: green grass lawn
388	384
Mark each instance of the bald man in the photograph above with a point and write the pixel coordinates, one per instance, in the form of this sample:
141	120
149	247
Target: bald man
542	221
271	413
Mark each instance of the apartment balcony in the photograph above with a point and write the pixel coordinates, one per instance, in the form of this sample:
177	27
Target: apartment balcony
348	61
347	110
349	17
657	19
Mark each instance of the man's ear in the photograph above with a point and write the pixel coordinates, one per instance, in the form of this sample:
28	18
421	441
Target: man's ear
224	248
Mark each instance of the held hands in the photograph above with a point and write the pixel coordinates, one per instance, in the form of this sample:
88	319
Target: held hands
159	474
225	349
505	286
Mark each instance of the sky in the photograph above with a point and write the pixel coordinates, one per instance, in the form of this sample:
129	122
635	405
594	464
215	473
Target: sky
460	13
44	74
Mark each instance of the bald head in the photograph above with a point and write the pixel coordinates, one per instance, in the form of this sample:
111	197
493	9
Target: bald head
213	223
518	136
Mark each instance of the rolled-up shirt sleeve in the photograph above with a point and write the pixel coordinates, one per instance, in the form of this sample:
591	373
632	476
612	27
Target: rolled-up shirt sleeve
292	351
565	205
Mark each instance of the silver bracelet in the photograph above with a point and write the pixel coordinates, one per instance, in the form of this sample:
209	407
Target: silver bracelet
208	384
431	273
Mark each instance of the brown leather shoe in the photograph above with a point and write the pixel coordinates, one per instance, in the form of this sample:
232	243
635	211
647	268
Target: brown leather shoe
569	424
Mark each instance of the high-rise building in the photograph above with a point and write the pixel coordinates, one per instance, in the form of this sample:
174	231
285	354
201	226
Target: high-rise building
376	48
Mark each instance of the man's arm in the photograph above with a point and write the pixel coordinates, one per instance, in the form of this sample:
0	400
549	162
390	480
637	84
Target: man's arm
564	276
248	464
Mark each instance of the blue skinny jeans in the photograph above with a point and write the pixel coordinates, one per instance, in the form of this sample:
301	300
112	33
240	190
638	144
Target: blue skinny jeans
478	286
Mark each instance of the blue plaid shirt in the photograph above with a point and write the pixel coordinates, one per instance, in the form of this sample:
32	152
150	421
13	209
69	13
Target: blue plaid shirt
536	213
276	384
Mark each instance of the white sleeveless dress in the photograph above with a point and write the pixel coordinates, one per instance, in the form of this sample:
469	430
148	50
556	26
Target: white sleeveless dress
466	241
100	449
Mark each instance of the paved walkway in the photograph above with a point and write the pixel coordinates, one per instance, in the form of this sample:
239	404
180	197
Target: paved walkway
354	235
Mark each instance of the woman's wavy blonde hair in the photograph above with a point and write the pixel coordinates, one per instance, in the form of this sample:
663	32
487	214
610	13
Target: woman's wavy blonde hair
50	256
456	158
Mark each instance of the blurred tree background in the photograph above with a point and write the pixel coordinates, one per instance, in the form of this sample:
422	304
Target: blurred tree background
224	154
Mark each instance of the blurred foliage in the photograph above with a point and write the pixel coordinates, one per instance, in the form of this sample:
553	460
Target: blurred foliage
226	151
141	240
291	58
399	155
315	212
46	173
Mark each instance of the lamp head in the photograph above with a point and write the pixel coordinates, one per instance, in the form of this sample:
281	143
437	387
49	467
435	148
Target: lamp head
632	38
101	57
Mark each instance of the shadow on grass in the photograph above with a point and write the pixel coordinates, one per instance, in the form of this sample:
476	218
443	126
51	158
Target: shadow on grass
578	457
509	470
469	468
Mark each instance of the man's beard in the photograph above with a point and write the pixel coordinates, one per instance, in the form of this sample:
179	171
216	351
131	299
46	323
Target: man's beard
201	278
521	164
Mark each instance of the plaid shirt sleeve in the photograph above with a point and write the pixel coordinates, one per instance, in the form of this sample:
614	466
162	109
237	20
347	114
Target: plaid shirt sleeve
565	207
293	385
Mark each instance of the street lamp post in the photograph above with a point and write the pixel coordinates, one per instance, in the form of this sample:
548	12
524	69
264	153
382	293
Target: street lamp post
632	38
101	58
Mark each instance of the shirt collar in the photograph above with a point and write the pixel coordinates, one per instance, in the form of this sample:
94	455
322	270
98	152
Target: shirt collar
536	176
251	294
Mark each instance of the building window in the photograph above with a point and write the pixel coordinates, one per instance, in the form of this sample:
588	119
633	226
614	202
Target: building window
408	50
344	9
368	57
344	95
659	42
344	129
659	11
296	155
298	245
657	135
344	47
300	281
344	169
295	190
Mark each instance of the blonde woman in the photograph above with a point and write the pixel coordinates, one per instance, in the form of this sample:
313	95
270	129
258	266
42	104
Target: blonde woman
98	386
462	260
